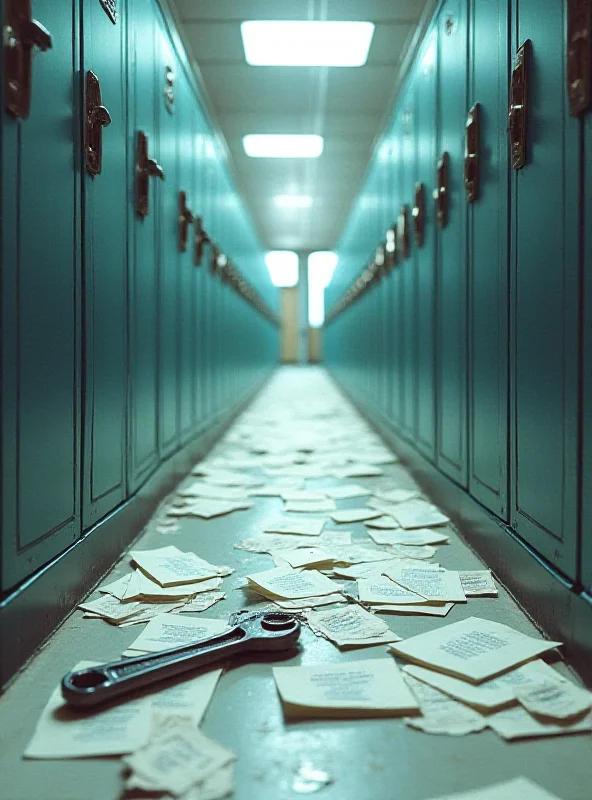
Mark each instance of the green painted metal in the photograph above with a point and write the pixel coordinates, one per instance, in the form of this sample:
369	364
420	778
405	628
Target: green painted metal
586	365
40	284
105	274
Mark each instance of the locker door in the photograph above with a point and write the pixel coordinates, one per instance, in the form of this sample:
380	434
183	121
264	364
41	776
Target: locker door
168	114
105	265
199	169
408	282
544	334
488	256
424	256
586	522
143	298
396	278
186	314
40	286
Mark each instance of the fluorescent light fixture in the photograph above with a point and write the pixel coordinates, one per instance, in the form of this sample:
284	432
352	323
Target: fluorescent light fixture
293	200
321	266
272	43
283	267
283	145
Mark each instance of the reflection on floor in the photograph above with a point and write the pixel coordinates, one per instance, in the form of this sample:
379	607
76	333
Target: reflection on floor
301	434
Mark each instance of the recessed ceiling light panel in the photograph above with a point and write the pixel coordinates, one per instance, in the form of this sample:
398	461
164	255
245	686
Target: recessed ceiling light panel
271	43
293	200
283	267
283	145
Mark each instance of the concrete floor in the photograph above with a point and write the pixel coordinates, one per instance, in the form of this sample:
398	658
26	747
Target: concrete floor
367	759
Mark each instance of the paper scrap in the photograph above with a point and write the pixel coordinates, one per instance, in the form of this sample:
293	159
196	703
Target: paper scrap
201	602
428	610
383	590
478	583
384	523
517	723
554	700
474	648
169	566
397	495
310	506
307	557
301	527
213	492
208	509
351	627
289	584
355	689
302	495
358	471
310	602
166	631
354	514
419	514
110	608
441	714
421	553
347	491
439	585
65	732
186	696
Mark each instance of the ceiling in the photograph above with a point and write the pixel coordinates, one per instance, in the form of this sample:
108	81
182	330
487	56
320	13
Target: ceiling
345	105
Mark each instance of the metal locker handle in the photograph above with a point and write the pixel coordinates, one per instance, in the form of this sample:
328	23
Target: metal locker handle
418	214
200	239
185	219
441	191
517	115
97	118
146	168
403	231
391	247
21	34
579	55
471	168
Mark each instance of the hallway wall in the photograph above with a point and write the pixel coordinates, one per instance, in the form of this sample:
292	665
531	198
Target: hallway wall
137	311
460	317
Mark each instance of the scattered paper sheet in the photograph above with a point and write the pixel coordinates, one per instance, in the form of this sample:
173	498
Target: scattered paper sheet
354	514
188	697
554	700
141	587
208	509
355	689
347	491
491	694
302	495
420	537
201	602
269	543
307	557
515	789
412	551
428	610
351	627
517	723
110	608
384	523
358	471
397	495
301	527
364	570
383	590
166	631
418	514
310	602
474	649
289	584
478	583
65	732
169	566
275	489
118	587
213	492
225	477
438	585
441	714
359	554
310	506
177	758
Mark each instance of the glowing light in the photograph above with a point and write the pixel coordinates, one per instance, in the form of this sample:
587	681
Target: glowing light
283	145
321	266
283	267
306	44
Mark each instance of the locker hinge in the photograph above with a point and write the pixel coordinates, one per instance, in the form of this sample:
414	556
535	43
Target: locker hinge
146	168
579	55
97	118
518	113
200	239
403	231
471	171
418	214
441	191
21	34
185	219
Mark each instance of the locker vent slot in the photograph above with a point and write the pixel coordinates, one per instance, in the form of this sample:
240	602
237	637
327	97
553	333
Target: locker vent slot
110	7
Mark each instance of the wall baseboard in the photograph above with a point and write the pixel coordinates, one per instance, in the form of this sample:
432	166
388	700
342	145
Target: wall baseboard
31	612
558	607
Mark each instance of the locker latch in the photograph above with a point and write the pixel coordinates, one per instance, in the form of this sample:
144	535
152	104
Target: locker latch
21	34
391	248
517	116
471	171
97	118
579	55
418	214
403	231
146	168
200	239
441	191
185	219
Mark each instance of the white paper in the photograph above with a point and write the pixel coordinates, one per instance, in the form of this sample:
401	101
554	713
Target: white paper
169	566
301	527
302	495
347	491
554	700
170	630
478	583
418	514
397	495
351	627
201	602
310	506
354	515
289	584
515	789
428	610
188	697
474	649
517	723
438	585
310	602
383	590
384	523
441	714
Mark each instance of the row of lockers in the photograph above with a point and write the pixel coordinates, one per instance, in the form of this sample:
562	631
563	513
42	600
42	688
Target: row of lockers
468	329
127	327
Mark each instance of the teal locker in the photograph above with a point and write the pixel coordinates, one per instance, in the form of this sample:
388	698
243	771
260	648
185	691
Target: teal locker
544	288
451	314
145	88
105	200
395	366
486	192
586	520
169	96
199	259
40	285
408	276
425	244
